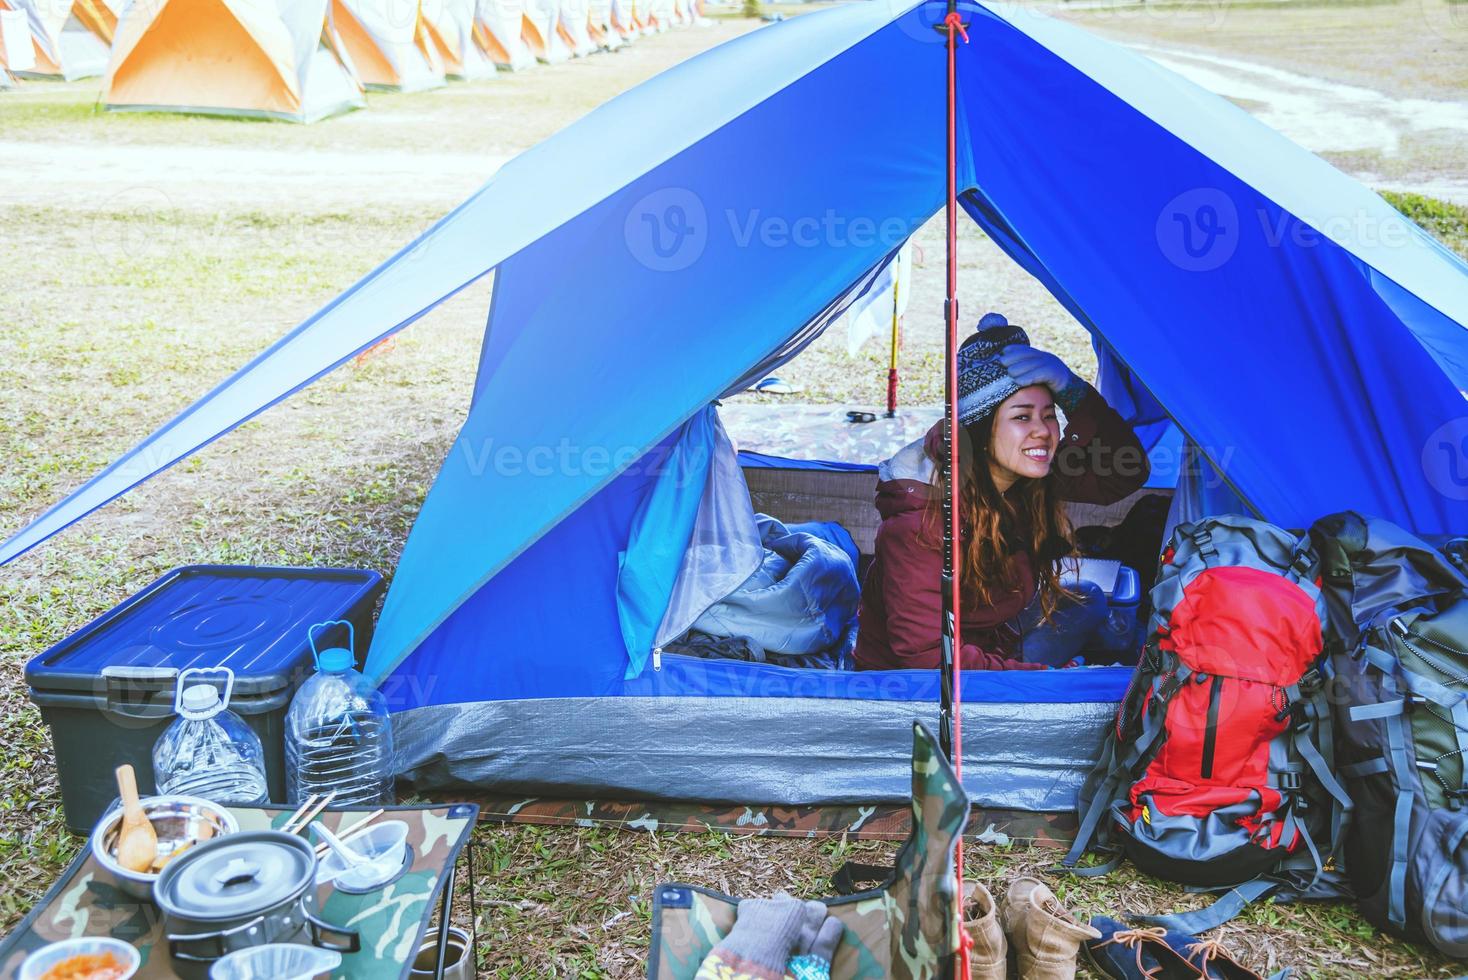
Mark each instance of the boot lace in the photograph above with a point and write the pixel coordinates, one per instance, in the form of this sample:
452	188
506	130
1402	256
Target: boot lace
1208	949
1136	939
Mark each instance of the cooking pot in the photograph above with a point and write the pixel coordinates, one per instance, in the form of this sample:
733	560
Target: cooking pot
241	891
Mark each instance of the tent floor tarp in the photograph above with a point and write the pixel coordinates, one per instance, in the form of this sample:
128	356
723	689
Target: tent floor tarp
887	821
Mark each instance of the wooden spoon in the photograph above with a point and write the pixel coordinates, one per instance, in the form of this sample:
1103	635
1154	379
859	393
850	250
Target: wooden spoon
137	841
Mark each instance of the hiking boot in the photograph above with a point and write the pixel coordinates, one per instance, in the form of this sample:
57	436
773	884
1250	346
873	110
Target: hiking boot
1044	936
1129	953
1209	958
987	958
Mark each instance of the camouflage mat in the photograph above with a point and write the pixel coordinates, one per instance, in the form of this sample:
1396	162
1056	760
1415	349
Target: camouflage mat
392	920
823	432
880	822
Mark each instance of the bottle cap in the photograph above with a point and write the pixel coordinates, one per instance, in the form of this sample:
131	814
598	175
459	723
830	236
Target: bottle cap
336	660
200	697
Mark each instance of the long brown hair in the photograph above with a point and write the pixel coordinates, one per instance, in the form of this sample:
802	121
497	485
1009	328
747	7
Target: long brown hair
1030	517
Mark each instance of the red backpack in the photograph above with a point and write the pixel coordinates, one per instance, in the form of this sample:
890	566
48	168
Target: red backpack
1217	771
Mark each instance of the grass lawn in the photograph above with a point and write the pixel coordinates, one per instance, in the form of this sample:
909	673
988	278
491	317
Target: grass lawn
152	255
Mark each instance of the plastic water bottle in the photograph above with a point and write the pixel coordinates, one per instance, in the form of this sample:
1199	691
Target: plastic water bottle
338	734
209	751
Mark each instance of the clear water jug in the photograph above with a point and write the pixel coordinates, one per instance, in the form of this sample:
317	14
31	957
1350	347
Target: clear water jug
338	734
209	751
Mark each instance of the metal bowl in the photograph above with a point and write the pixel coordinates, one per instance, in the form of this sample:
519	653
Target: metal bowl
177	820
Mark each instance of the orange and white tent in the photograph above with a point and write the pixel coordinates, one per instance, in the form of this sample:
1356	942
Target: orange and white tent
576	24
544	33
498	29
389	43
625	20
230	58
603	34
659	16
71	38
450	27
17	53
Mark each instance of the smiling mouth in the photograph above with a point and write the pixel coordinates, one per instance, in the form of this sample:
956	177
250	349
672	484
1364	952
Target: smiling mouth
1037	453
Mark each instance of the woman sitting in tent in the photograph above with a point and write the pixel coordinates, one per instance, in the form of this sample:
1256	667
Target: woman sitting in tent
1018	471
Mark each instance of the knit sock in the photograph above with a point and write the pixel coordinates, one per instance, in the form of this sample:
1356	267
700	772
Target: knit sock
813	962
766	932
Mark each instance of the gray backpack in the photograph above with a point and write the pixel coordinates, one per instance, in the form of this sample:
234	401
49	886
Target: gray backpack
1398	611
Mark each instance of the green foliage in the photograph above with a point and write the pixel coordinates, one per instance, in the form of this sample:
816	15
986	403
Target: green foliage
1444	220
752	9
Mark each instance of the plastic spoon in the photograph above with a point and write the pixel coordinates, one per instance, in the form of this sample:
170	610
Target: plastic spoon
349	857
137	841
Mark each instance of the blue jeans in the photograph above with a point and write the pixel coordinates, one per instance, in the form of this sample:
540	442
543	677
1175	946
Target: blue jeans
1072	627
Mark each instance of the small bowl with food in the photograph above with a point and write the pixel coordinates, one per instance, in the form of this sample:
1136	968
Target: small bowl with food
179	821
82	959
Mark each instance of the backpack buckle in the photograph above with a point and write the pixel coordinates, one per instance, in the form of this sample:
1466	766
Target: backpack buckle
1310	683
1290	781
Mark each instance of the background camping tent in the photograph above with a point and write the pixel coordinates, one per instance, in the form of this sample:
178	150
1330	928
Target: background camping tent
499	644
450	26
624	20
71	39
575	21
544	33
17	53
388	44
498	27
659	15
231	58
603	33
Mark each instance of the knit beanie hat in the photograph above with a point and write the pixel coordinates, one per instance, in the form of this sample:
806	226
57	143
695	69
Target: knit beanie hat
982	380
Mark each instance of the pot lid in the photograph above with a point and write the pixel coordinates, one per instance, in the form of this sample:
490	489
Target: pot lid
236	876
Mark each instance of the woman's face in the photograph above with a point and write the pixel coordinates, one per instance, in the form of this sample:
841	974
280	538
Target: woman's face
1025	436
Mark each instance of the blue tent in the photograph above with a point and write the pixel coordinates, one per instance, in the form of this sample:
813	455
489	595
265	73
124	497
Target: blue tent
1307	338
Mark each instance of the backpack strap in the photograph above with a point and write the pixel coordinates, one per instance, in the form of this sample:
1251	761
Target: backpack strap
1120	761
1228	906
1202	539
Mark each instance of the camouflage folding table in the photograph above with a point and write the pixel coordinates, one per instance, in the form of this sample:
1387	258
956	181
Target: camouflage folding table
392	920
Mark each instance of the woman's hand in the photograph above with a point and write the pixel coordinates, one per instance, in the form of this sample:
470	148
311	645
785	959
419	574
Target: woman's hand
1029	366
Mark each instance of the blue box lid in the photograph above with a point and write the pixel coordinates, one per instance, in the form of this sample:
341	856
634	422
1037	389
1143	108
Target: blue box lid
251	620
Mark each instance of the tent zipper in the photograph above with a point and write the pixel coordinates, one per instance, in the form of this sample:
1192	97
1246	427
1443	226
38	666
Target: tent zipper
1210	734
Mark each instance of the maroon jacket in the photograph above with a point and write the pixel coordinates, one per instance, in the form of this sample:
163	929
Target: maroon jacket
901	600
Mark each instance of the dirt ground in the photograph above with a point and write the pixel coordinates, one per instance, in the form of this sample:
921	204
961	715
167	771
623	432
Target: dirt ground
151	255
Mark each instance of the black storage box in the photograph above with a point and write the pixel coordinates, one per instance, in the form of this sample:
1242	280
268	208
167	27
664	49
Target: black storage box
106	692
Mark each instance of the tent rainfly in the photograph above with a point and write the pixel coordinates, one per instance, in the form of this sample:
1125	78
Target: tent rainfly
388	44
498	29
1227	277
231	58
71	40
450	27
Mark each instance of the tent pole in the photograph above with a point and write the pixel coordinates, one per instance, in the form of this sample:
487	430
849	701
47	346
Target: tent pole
892	362
950	686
